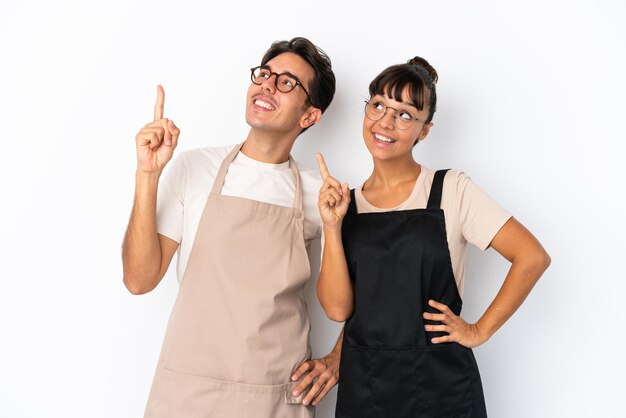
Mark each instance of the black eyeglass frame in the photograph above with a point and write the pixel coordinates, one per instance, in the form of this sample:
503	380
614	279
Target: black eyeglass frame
395	115
272	73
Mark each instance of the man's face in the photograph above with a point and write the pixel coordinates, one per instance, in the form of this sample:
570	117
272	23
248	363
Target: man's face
274	111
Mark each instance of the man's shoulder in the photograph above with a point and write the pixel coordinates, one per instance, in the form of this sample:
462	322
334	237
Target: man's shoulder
311	183
309	175
204	154
199	165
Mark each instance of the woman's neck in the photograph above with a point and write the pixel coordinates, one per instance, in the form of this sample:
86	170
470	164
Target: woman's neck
391	174
391	183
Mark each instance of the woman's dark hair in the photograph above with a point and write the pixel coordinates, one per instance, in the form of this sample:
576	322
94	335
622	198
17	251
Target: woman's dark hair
420	78
322	88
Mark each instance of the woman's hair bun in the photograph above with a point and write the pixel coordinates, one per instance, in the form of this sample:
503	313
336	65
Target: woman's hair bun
421	62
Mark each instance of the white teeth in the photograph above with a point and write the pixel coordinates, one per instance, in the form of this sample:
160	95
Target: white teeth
263	104
383	138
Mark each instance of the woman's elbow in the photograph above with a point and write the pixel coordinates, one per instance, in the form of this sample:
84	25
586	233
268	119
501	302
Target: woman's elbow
338	315
538	263
543	260
547	260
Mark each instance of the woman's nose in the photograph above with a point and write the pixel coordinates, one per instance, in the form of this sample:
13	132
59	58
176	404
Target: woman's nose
388	119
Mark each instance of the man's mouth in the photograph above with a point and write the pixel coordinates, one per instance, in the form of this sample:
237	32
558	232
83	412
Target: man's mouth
264	104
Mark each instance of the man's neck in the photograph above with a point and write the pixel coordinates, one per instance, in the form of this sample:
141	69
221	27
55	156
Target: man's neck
266	148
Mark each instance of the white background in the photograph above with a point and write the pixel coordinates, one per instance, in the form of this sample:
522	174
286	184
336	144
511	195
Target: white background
531	106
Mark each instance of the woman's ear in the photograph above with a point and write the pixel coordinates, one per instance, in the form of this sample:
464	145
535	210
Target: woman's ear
423	133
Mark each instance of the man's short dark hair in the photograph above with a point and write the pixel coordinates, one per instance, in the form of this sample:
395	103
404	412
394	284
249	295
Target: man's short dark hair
322	88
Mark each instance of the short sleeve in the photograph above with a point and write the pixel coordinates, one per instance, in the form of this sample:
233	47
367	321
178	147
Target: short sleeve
480	216
171	199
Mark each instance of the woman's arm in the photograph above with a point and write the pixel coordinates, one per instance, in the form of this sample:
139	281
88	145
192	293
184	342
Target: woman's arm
528	262
334	288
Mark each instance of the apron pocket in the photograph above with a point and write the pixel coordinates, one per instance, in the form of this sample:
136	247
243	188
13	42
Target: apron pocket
430	381
447	381
377	382
189	396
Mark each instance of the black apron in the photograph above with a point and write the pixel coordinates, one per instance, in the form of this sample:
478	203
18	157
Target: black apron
397	261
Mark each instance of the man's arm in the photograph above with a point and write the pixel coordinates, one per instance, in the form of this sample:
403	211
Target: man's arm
146	255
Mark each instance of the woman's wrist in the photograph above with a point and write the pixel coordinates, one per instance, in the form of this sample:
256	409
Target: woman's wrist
332	229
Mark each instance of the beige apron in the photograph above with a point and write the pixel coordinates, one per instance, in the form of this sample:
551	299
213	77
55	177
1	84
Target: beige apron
239	327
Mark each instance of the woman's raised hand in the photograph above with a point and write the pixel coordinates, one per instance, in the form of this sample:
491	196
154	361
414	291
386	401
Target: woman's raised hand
334	197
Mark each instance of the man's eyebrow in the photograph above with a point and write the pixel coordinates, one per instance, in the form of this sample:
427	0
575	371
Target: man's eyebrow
289	73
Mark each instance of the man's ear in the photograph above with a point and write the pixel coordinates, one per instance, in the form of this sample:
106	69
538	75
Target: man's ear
310	117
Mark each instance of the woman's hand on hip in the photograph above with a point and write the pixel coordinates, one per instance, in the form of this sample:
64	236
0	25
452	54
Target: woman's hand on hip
459	331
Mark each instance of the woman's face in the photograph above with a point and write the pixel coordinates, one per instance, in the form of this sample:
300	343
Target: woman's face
384	138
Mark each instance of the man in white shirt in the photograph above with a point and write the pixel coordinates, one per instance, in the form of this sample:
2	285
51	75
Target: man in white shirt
241	219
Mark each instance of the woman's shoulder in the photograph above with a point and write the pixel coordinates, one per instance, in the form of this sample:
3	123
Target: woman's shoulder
464	195
457	188
453	177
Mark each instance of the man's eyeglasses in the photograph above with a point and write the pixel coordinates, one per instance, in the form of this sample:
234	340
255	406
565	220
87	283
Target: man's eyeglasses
375	110
284	82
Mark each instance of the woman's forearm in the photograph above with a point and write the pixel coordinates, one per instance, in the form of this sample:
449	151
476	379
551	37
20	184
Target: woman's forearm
334	288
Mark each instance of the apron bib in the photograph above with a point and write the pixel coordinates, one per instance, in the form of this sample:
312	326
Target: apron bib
397	261
239	327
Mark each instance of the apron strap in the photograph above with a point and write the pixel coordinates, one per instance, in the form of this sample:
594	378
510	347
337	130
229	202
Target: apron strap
434	200
218	184
221	174
297	199
352	205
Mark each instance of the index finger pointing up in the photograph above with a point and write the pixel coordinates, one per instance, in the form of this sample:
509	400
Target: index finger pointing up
322	165
160	103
